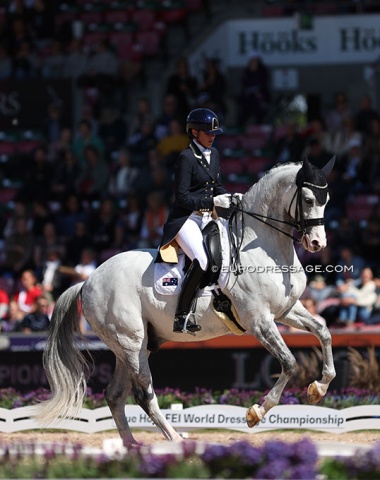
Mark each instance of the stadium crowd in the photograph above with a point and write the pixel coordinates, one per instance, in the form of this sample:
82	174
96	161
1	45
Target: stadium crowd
88	191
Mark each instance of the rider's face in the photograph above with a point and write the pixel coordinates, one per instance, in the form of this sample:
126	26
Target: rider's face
205	139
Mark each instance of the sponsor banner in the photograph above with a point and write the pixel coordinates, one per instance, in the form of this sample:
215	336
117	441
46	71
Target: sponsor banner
331	40
216	417
230	417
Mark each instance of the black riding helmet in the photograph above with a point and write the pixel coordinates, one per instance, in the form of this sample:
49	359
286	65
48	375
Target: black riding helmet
203	119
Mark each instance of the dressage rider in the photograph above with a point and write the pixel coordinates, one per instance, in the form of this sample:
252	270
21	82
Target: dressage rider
198	189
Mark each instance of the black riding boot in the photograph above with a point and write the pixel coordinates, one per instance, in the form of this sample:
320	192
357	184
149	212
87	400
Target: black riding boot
189	289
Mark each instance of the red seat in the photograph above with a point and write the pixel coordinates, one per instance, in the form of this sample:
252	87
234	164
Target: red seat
27	146
228	142
129	51
116	16
7	194
256	165
253	142
237	187
92	38
91	17
361	207
232	165
173	15
194	5
120	38
145	19
149	42
8	148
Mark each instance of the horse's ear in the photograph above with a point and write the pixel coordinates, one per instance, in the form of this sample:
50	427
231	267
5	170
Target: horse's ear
306	169
329	166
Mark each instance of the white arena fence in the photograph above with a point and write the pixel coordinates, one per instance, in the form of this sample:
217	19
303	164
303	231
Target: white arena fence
305	417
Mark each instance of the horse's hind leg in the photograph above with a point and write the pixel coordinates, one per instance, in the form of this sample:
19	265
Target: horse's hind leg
142	387
300	318
116	395
268	335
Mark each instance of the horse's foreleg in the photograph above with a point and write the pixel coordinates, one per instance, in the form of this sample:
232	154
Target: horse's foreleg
116	395
300	318
268	335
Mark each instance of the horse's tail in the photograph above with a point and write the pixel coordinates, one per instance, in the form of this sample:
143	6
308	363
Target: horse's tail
63	361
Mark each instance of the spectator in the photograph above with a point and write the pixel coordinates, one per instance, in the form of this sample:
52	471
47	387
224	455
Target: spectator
172	145
311	306
5	63
95	175
140	144
53	65
102	224
128	227
29	291
372	154
66	173
18	249
4	304
357	298
183	86
12	322
316	153
38	319
349	266
214	86
123	175
154	220
365	115
351	167
47	241
41	215
144	114
42	21
169	112
83	269
76	243
51	279
72	213
370	241
254	95
38	176
289	147
75	61
54	124
24	62
339	142
338	114
112	129
20	210
86	138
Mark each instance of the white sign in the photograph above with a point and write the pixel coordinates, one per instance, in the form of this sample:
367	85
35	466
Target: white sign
228	417
332	40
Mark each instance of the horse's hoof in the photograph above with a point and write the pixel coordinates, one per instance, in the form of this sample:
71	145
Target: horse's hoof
313	394
253	416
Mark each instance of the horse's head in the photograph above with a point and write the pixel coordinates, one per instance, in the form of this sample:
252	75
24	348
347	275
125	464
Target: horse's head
310	201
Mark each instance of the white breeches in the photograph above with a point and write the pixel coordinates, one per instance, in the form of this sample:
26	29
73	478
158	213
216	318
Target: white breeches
190	238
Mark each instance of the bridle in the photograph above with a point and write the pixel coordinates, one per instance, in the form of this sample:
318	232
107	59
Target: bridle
299	223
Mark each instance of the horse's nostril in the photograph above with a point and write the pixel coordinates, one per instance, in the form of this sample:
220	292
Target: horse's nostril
315	243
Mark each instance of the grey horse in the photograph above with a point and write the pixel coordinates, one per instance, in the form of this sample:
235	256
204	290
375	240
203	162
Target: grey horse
122	307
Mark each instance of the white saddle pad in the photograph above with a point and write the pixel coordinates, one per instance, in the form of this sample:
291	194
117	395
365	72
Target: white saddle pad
168	277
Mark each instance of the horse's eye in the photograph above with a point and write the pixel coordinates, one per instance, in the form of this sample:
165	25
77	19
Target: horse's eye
309	201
